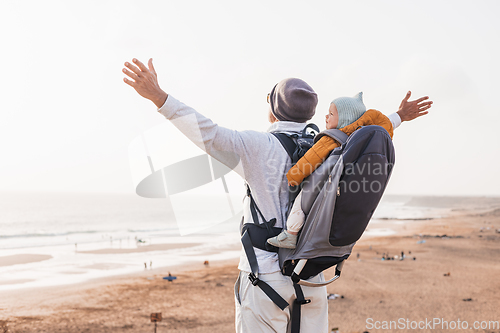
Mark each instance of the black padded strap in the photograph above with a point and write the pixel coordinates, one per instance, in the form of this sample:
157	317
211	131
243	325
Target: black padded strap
253	210
287	143
296	312
290	147
253	207
271	293
252	260
248	247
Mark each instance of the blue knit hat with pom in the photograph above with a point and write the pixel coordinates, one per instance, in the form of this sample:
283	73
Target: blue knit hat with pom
350	109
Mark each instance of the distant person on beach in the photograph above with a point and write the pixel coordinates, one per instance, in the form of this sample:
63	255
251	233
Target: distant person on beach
346	114
264	165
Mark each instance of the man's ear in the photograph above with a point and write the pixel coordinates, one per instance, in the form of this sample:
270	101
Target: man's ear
272	119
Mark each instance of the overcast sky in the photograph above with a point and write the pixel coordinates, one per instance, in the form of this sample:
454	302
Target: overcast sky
68	119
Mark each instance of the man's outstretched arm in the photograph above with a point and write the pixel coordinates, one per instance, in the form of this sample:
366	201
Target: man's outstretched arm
217	141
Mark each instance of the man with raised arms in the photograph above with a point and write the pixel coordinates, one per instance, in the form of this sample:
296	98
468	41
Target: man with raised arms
264	164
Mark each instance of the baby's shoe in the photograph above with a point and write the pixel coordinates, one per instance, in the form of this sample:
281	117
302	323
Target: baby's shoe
284	239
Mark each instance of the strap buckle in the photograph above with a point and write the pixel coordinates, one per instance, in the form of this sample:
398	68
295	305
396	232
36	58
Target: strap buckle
255	280
302	302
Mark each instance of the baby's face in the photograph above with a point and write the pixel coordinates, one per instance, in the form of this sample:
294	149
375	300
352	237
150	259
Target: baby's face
332	118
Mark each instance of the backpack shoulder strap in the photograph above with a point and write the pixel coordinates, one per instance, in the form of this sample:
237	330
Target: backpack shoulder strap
287	143
295	149
334	134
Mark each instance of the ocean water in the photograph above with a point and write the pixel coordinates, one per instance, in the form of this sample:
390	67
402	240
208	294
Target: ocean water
65	227
86	236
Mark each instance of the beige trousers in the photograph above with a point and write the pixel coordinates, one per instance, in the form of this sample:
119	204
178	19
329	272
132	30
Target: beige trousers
256	313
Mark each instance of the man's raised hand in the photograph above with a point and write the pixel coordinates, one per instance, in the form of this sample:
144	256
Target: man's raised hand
145	81
409	110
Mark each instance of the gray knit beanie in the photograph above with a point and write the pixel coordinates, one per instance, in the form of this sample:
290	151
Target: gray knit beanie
293	100
350	109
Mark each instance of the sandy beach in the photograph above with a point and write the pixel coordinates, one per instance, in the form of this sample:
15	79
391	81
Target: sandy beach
450	272
22	259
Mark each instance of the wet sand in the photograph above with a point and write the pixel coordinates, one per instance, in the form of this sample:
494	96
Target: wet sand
454	277
143	248
22	259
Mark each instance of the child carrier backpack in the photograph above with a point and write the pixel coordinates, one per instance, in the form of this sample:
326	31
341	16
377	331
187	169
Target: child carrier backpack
339	199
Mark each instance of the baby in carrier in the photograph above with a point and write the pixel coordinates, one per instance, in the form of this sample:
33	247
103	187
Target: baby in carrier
346	114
